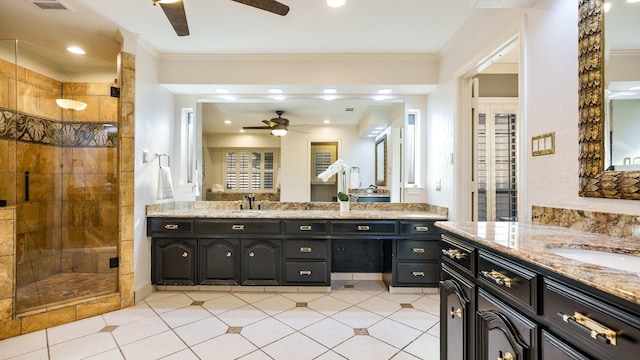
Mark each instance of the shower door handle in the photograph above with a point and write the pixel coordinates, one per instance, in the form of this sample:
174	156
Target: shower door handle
26	186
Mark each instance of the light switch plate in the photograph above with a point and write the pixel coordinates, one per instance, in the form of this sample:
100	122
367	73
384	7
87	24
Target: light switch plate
145	156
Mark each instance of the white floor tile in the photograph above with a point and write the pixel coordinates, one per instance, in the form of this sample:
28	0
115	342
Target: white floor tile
365	347
406	356
427	304
242	316
298	344
435	330
170	303
113	354
128	315
425	347
204	295
328	305
357	317
223	304
42	354
23	344
401	298
299	318
256	355
266	331
275	304
76	329
185	354
351	296
304	297
250	297
154	347
184	316
328	332
415	318
157	295
128	333
380	306
394	333
330	355
228	346
83	347
200	331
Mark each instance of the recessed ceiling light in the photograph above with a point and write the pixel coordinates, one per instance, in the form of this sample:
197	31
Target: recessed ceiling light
279	97
227	122
384	91
633	1
229	97
75	50
222	91
336	3
381	97
327	121
329	91
329	97
276	91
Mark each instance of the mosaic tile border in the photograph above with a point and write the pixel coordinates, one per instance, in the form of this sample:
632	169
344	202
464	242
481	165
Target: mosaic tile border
33	129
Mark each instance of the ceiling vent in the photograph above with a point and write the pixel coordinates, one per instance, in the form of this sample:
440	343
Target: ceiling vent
50	5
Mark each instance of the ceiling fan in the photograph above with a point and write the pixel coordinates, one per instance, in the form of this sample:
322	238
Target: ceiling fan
174	10
278	126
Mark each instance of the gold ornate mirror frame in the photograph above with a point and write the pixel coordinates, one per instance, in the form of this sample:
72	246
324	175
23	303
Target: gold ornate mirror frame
594	180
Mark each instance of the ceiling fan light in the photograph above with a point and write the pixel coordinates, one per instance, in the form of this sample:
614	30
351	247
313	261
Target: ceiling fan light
279	130
71	104
336	3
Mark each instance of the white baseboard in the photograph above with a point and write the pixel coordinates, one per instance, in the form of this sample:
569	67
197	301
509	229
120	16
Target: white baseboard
356	276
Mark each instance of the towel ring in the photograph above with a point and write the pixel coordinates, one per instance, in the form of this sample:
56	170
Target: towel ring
160	160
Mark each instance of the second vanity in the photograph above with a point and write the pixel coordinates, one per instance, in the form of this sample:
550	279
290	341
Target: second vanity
530	291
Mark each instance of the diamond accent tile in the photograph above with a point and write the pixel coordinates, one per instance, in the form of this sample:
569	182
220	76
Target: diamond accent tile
301	304
109	328
349	286
406	306
234	329
197	303
361	331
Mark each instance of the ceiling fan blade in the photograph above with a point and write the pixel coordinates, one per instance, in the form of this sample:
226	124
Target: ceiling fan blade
257	127
177	17
271	6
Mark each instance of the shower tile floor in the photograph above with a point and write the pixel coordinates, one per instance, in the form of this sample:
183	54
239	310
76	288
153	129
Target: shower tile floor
356	320
64	287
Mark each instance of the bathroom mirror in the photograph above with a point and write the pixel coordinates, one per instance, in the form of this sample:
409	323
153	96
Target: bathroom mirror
595	181
381	161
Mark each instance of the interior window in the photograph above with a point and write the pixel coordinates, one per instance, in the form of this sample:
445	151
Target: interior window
250	169
412	149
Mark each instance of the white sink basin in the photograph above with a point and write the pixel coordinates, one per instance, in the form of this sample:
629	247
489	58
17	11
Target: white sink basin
622	262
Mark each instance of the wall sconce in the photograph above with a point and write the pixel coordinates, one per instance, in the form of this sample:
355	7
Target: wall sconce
71	104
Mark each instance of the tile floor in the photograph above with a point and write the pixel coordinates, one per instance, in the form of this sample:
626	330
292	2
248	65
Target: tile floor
356	320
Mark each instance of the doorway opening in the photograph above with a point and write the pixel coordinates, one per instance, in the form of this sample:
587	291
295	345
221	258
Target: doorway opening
323	154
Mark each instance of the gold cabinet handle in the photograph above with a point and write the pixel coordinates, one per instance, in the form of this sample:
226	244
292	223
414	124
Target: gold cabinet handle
252	254
422	228
305	227
457	312
229	254
363	227
171	226
507	356
596	330
498	278
418	273
305	272
237	227
305	249
454	254
185	254
418	250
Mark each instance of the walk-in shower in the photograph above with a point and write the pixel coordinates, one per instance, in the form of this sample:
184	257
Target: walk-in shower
59	168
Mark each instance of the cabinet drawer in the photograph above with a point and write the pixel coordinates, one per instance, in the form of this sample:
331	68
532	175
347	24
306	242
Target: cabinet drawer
306	249
553	348
238	227
364	227
417	273
418	250
313	272
307	227
169	226
508	279
573	314
418	228
459	254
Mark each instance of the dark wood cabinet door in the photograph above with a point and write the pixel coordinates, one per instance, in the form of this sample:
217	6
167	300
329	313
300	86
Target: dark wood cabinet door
497	338
261	262
454	321
219	263
552	348
174	262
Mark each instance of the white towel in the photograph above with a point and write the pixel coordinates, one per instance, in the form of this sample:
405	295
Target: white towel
165	186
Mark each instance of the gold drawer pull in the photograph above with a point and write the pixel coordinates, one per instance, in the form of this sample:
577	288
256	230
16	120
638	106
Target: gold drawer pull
305	272
457	312
185	254
454	254
507	356
418	250
418	273
591	327
305	249
498	278
363	227
237	227
171	226
305	227
422	228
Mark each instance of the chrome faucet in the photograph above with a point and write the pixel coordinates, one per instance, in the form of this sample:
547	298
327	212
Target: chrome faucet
251	198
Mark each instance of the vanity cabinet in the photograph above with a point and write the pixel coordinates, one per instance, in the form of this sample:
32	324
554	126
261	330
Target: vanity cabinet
261	262
219	261
497	306
174	261
416	255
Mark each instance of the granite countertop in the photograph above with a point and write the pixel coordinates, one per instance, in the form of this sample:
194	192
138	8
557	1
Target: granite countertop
298	214
531	243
